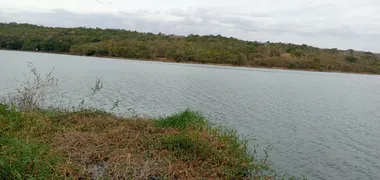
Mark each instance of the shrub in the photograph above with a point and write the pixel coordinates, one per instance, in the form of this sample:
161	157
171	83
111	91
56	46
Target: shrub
33	94
351	59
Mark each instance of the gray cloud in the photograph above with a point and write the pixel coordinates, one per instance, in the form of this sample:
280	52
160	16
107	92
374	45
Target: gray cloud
320	25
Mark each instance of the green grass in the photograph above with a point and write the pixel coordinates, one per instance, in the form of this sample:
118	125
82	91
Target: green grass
198	141
22	156
61	144
20	159
182	120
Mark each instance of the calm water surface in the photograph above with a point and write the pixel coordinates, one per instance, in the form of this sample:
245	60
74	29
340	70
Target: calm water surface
322	125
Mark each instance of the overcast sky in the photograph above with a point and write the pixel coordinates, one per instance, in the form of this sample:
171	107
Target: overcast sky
343	24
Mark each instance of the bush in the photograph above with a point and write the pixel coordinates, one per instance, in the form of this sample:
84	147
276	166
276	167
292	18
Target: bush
33	94
351	59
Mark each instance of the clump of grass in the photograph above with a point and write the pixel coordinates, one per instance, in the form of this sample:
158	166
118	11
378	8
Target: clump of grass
22	155
20	159
182	120
197	141
185	148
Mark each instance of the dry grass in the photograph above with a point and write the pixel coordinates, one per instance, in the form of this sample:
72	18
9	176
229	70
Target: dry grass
97	145
138	149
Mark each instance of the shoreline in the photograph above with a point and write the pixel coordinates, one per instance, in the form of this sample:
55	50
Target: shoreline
197	63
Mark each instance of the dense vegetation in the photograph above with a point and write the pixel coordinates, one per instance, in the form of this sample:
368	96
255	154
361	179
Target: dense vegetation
192	48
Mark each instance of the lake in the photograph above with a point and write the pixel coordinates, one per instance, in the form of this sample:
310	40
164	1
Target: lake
321	125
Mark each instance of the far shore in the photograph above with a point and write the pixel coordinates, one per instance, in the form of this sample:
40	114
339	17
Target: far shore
196	63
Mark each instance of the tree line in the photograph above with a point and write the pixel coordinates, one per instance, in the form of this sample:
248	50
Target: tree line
214	49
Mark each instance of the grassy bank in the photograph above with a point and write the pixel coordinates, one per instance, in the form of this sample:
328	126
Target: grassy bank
95	144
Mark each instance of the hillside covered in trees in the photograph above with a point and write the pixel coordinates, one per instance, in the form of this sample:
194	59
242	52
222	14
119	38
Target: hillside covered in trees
192	48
